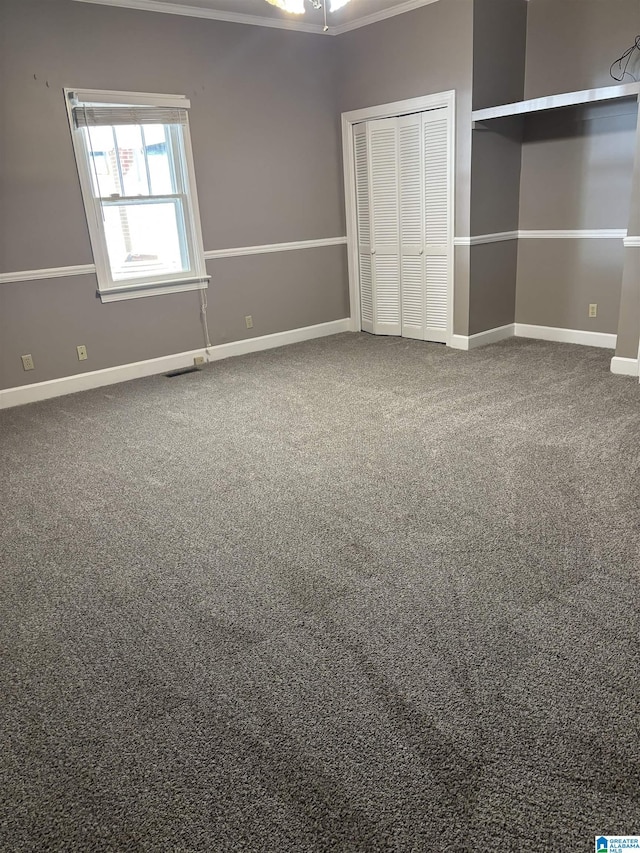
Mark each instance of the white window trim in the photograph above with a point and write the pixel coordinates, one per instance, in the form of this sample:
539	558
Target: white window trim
196	278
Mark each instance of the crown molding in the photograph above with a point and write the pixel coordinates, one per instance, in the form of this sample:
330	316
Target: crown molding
208	14
382	15
257	20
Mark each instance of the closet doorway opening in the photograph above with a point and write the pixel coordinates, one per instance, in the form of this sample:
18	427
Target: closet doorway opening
399	175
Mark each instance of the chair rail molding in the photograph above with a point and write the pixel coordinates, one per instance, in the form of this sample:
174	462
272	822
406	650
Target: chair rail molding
577	234
211	255
51	272
241	251
481	239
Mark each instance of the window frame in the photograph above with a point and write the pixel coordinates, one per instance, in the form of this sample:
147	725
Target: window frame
110	290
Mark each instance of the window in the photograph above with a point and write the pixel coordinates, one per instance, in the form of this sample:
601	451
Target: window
136	172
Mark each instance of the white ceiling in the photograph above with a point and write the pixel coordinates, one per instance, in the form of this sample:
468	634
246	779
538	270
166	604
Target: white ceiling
357	13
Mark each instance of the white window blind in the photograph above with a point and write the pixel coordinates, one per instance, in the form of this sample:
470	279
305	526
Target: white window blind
85	116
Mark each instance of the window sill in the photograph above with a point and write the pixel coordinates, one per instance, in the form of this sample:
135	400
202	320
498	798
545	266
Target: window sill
156	288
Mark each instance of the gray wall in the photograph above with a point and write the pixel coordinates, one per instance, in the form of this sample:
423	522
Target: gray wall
499	43
576	164
492	300
577	170
499	46
265	126
266	149
629	322
572	172
558	279
572	43
495	176
495	192
421	52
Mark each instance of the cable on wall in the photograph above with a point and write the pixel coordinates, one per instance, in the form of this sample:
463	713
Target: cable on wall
619	68
203	317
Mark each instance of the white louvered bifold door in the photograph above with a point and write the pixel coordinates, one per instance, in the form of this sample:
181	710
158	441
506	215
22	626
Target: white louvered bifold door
404	218
363	213
385	239
412	268
436	130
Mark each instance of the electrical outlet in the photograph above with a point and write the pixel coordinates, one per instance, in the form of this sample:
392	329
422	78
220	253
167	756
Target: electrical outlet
249	321
593	310
27	362
82	352
198	360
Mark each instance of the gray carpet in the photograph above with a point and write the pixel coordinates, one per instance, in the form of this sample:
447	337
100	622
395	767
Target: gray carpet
356	594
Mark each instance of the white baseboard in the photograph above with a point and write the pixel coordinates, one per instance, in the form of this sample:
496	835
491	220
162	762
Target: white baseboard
491	336
566	336
625	366
153	366
459	342
540	333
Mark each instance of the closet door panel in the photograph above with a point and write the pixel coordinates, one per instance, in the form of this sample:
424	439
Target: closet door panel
436	178
413	307
385	246
437	222
366	292
363	215
411	227
404	218
437	274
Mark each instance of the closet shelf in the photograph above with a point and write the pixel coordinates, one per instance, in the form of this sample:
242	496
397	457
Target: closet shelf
554	102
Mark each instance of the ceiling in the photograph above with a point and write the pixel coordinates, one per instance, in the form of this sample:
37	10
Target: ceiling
357	13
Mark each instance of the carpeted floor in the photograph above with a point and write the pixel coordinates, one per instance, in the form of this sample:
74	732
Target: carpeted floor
357	594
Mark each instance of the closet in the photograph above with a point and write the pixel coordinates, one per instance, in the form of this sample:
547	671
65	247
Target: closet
404	223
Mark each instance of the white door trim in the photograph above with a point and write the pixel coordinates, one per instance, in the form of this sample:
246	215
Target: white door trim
397	108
